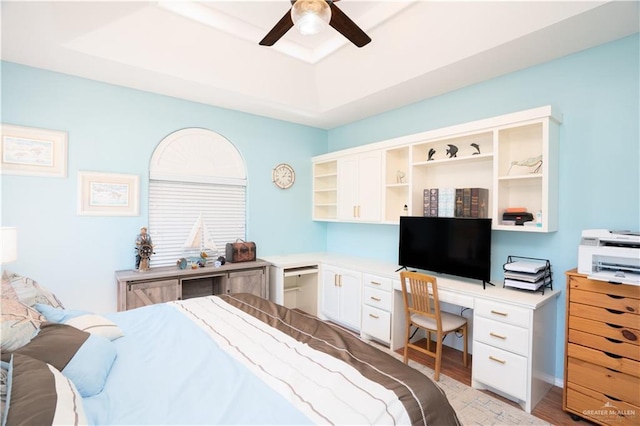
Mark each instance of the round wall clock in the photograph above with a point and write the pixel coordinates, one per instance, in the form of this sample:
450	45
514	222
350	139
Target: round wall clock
283	176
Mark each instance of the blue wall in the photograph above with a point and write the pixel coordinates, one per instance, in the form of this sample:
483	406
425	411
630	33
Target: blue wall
115	129
597	91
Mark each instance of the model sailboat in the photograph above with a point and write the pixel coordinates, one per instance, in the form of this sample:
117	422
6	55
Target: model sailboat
200	239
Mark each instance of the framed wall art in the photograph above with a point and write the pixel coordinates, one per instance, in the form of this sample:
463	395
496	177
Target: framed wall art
108	194
29	151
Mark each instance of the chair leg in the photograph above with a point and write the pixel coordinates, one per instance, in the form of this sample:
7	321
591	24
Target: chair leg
406	341
465	353
428	340
436	375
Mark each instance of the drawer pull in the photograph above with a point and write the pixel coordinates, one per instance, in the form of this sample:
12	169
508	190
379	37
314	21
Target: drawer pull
610	355
501	361
613	311
629	335
615	296
375	283
612	397
498	336
374	316
613	340
377	299
503	314
613	325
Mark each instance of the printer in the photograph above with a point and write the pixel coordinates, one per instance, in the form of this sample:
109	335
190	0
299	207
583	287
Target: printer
612	256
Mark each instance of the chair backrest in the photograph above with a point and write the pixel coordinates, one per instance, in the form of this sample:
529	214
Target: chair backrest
420	295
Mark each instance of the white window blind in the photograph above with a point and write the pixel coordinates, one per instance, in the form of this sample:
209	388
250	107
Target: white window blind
174	208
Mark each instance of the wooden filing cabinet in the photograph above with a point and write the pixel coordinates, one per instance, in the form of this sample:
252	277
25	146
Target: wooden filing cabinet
377	305
602	351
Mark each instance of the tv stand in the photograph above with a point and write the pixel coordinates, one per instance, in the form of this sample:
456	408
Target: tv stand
484	284
401	268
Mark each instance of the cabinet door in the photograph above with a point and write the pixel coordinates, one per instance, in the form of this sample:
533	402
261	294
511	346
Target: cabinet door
330	303
360	187
250	281
350	286
149	293
369	186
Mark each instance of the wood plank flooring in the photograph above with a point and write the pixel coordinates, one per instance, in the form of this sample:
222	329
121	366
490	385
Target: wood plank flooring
549	409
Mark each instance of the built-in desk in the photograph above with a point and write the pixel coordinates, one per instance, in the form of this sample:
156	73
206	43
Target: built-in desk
513	331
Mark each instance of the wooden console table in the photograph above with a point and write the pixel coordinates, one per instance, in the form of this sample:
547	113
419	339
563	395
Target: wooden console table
165	284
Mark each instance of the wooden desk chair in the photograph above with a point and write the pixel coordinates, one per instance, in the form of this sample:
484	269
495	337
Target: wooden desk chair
422	309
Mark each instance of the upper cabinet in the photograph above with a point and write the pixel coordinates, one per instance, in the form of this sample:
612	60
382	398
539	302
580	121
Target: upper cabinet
514	156
359	187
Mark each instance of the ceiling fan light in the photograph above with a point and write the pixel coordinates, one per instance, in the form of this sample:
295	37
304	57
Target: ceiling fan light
310	16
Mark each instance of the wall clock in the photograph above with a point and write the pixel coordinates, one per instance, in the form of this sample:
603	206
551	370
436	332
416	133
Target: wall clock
283	176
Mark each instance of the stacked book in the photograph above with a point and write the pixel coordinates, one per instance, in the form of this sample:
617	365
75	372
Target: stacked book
527	274
456	202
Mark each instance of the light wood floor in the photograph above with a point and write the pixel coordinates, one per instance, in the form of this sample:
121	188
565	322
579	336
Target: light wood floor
549	409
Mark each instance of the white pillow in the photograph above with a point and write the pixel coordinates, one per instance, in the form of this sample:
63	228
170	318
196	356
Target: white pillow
96	324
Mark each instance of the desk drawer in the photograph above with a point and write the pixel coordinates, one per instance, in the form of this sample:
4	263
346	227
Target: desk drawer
607	360
502	312
596	286
500	369
376	281
376	323
504	336
377	298
606	330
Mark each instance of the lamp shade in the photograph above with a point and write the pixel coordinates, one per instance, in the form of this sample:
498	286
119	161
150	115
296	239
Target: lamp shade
310	16
9	248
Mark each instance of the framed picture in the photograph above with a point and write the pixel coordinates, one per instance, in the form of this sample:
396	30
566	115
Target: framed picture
33	152
108	194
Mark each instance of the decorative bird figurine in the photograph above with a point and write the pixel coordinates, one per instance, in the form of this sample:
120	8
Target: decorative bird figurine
477	147
431	152
528	162
452	151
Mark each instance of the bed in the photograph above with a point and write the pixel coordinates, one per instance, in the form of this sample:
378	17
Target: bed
230	359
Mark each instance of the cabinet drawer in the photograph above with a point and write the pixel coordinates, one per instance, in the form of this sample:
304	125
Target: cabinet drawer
502	312
615	348
376	281
618	318
613	384
597	407
376	323
500	369
606	360
606	330
504	336
584	283
377	298
607	301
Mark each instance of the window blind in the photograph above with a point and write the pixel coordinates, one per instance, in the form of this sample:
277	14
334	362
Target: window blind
174	208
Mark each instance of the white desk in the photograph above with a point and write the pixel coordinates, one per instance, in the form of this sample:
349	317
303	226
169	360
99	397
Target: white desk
513	342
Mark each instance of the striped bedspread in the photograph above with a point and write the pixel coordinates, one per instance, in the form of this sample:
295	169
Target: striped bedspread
328	374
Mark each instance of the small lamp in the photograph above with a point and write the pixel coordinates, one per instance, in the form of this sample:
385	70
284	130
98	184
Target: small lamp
9	248
310	16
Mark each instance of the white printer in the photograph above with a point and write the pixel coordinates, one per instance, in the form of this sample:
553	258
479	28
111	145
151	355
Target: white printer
612	256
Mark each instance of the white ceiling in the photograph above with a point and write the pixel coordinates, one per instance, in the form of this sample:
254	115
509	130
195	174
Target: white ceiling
420	49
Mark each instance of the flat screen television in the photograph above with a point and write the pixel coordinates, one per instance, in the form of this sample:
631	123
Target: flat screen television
454	246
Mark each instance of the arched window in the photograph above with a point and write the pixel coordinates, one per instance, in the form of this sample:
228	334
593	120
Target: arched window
197	195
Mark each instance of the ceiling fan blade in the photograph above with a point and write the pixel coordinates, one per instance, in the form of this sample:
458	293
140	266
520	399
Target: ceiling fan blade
345	26
278	30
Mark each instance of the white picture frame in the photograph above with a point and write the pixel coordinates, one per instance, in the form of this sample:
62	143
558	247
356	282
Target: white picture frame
108	194
29	151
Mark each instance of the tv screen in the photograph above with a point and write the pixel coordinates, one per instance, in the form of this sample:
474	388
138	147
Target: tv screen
454	246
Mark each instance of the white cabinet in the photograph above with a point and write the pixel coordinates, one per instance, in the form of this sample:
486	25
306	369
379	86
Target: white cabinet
359	187
377	305
295	287
514	156
341	296
510	345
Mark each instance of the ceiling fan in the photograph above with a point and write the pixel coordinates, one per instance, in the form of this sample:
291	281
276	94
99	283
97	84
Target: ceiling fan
309	16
